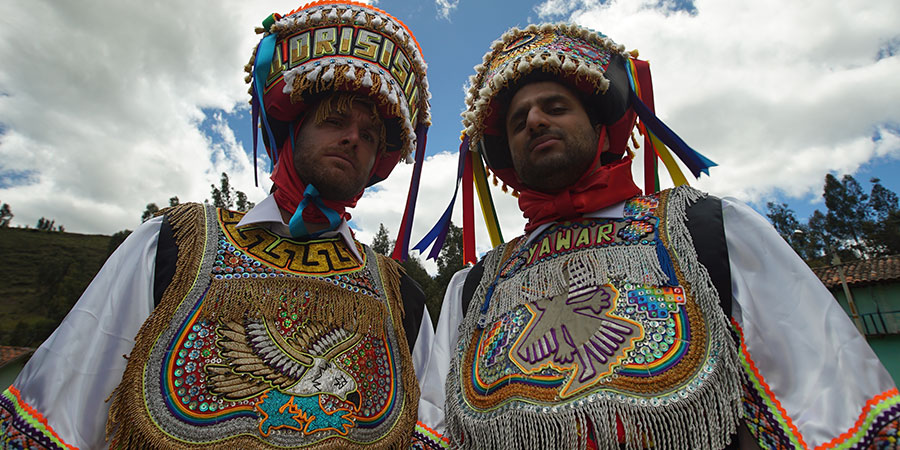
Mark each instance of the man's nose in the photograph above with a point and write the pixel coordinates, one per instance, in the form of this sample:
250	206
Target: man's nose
536	119
350	135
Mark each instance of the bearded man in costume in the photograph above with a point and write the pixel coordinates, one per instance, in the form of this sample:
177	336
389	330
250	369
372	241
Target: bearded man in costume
270	329
671	320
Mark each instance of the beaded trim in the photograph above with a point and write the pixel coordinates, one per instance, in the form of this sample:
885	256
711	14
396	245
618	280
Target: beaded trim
262	378
562	49
661	359
328	46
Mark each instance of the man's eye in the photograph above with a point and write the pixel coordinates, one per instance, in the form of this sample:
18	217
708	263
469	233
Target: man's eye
368	136
333	120
558	110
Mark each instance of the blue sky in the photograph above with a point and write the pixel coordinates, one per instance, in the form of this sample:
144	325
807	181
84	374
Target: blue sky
108	106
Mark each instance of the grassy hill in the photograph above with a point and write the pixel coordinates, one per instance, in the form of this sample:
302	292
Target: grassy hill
44	274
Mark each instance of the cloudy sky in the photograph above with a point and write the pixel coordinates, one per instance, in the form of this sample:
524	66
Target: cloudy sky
108	106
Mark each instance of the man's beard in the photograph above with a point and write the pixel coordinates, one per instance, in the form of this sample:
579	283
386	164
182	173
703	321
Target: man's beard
329	186
560	170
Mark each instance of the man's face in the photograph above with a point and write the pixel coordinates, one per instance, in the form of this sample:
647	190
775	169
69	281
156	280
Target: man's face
551	140
336	155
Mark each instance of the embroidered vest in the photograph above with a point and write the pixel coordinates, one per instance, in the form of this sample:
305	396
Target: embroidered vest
592	323
262	342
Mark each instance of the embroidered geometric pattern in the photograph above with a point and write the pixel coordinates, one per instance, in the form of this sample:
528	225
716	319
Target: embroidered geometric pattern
273	254
635	332
592	320
286	358
535	44
766	419
23	427
876	426
425	438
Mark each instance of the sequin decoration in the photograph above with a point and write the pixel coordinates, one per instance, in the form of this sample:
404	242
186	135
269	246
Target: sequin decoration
657	302
635	231
640	207
622	338
282	373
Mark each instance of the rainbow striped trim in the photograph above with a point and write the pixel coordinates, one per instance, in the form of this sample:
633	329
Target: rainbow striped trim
878	412
427	439
27	421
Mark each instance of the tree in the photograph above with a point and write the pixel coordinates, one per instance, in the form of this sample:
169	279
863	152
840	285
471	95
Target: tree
883	231
115	240
225	196
173	201
222	196
242	204
433	293
450	260
148	214
382	241
6	215
46	224
847	211
784	221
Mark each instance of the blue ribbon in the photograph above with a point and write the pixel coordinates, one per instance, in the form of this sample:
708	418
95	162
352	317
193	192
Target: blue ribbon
265	51
438	233
695	161
298	227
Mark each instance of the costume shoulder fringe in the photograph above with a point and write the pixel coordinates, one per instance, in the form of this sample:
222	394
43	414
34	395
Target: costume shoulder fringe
702	415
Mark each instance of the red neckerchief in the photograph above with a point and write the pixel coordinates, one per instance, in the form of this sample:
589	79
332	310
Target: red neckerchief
599	187
290	188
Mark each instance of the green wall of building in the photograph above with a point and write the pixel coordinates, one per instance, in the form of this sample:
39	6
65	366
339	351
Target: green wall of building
879	309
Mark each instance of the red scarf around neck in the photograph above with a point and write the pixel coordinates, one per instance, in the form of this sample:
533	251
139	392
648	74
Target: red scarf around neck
290	188
599	187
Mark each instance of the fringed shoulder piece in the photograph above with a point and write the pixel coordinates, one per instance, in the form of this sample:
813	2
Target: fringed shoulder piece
189	222
597	333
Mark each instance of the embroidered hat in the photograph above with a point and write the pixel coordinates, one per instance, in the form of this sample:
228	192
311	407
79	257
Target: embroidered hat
328	46
615	87
590	63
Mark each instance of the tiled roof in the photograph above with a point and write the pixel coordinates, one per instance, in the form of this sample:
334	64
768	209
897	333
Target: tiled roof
10	354
866	271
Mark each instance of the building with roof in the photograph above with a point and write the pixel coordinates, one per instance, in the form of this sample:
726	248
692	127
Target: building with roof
874	288
12	360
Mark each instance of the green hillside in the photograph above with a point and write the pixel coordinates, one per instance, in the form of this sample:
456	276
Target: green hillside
44	274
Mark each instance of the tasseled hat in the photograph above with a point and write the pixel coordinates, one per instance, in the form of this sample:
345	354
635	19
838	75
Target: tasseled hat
330	46
614	84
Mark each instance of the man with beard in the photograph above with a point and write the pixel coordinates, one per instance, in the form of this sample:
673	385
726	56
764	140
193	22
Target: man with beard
270	329
670	320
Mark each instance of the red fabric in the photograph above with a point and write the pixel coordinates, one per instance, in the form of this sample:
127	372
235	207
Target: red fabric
290	188
599	187
646	93
469	255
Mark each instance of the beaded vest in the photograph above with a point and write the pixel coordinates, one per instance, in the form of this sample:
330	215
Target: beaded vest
265	342
592	323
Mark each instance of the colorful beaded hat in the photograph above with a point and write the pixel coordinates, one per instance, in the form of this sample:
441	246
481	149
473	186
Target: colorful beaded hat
328	46
614	85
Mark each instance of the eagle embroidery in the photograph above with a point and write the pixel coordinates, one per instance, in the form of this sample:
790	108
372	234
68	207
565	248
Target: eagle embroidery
575	331
288	374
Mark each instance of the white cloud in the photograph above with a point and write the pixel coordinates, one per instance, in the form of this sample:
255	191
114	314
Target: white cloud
104	105
445	7
777	93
